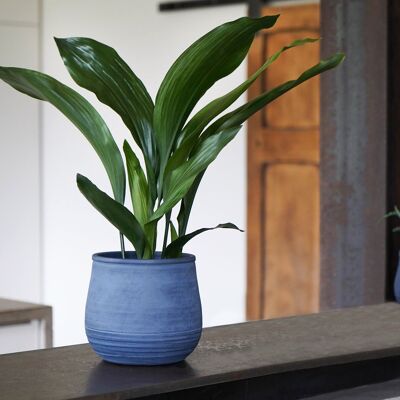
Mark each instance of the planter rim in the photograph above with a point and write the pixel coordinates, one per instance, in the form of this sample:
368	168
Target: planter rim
114	257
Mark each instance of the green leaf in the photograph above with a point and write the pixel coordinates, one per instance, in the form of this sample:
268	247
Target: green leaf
187	204
179	157
115	213
98	68
174	249
79	112
174	233
138	186
212	57
242	113
394	213
183	177
141	199
196	125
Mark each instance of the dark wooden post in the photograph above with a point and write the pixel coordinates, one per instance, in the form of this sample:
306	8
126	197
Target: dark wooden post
353	153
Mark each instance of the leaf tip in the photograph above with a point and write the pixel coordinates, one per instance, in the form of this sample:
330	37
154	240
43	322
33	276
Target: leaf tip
79	178
340	58
126	147
268	21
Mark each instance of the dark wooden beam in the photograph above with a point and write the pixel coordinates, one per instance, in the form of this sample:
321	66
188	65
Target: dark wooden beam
254	8
353	153
184	5
254	5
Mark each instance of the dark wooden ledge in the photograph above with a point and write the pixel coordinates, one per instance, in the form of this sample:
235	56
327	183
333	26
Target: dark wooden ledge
287	358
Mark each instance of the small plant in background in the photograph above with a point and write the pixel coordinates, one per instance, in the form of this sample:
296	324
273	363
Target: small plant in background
176	151
394	213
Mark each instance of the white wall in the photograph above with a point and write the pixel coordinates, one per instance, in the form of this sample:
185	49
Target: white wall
72	229
20	274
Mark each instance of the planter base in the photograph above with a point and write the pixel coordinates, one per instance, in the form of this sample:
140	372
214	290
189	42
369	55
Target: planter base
143	349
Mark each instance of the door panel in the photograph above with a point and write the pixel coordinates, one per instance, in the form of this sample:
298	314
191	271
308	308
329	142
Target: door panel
288	112
292	210
283	174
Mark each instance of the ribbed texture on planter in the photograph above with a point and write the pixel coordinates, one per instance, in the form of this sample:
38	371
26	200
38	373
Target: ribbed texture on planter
143	312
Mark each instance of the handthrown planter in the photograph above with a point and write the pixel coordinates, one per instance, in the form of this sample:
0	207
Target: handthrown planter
143	312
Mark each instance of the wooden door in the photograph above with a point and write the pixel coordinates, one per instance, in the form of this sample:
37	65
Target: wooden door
283	174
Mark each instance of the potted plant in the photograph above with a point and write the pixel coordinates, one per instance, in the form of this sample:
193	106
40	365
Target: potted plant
143	306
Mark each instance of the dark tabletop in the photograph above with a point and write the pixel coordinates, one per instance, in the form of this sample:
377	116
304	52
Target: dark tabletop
225	354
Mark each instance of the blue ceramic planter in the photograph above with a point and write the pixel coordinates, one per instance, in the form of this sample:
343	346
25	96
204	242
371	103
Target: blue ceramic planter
143	312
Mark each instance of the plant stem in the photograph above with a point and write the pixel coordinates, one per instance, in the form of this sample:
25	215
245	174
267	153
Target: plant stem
121	239
167	219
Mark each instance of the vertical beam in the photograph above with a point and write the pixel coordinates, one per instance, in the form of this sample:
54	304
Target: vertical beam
254	8
353	153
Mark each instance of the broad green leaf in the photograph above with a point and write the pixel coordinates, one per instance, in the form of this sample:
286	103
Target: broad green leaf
150	230
138	186
141	198
242	113
183	177
179	156
98	68
187	204
79	112
114	212
212	57
174	249
196	125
